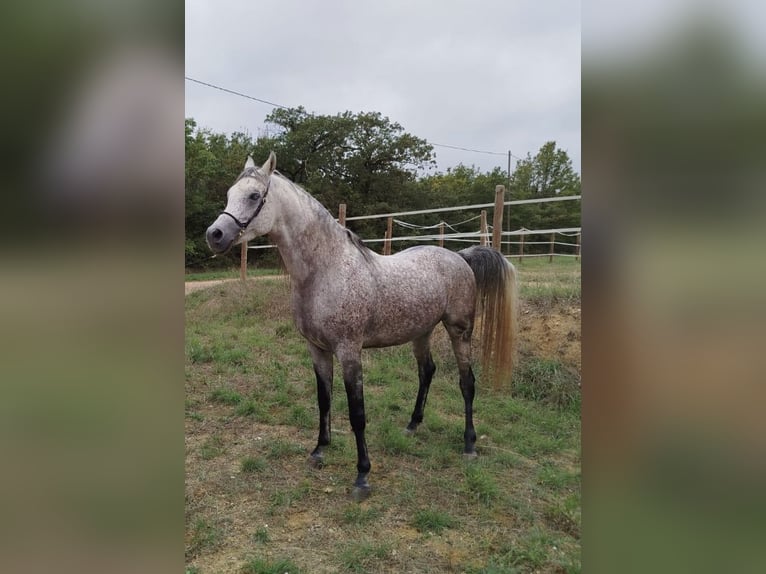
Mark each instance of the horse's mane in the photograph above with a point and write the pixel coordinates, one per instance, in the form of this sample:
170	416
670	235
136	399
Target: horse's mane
326	217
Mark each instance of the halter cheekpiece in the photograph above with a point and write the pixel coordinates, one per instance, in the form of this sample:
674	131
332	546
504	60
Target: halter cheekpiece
243	224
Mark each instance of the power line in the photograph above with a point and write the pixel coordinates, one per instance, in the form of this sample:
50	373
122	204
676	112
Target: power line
237	93
288	107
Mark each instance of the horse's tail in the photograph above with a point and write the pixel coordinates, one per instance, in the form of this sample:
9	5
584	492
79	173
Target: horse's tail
496	302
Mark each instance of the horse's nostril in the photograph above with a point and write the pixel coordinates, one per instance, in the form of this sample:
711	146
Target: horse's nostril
217	234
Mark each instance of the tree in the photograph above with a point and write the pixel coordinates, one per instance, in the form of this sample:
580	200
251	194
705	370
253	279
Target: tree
363	159
548	174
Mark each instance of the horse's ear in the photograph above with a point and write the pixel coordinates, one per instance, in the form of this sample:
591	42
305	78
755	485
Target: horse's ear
270	165
249	162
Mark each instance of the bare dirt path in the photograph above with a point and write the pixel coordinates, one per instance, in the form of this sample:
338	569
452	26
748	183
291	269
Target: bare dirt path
192	286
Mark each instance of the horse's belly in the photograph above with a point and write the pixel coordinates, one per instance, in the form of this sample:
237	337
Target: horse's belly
397	321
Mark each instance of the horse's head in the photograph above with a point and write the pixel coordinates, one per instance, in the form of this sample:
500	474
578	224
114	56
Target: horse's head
248	213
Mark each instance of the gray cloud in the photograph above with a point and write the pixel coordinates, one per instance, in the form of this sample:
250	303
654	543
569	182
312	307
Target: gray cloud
494	75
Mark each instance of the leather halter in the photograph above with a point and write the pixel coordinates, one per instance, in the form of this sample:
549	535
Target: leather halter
243	224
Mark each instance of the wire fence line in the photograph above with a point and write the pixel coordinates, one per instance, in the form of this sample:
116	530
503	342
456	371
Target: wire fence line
475	236
465	207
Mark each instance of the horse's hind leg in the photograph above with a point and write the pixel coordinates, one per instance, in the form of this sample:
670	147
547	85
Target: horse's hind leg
426	369
323	369
351	362
460	334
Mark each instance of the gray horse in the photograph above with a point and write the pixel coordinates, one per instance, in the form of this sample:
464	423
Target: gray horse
345	298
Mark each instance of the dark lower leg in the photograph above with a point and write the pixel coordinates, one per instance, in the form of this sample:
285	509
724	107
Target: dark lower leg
352	378
468	388
426	370
323	372
461	345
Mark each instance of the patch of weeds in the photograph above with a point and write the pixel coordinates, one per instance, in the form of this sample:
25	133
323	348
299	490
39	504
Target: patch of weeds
192	570
284	329
432	521
198	353
355	514
508	460
226	396
393	440
565	516
481	483
253	408
195	416
251	465
359	556
300	416
555	478
282	448
261	535
230	356
204	536
261	566
211	448
530	552
548	381
282	499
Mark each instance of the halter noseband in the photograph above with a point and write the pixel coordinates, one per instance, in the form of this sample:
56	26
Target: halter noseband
243	224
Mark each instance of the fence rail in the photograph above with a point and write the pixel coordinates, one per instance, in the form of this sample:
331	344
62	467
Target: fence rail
484	235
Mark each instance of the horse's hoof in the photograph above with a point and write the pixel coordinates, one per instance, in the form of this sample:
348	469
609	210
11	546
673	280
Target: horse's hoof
409	432
316	461
470	455
361	493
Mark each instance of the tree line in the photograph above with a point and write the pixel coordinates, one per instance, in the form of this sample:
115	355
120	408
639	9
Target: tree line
374	166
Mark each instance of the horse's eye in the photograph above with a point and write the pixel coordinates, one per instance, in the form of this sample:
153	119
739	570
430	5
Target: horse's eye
255	196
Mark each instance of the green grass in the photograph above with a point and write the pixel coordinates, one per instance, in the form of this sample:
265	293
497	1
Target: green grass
253	465
205	536
430	520
226	396
355	514
229	274
543	282
212	447
262	566
261	535
548	381
364	556
251	405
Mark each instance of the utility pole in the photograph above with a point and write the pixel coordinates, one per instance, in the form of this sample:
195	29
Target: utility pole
508	217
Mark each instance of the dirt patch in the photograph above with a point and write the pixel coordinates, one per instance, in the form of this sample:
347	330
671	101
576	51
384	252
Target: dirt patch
551	331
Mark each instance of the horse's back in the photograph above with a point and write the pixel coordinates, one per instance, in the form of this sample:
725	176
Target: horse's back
414	289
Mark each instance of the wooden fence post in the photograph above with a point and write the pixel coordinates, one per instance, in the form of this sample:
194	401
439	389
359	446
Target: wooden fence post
441	234
389	234
521	246
577	252
553	244
342	214
483	228
497	220
243	261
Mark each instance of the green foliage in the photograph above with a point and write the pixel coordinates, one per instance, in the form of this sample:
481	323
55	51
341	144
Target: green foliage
370	163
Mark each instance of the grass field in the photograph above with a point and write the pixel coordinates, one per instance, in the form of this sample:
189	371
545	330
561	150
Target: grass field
254	505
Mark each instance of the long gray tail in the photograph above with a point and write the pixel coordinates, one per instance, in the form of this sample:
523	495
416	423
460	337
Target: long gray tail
496	300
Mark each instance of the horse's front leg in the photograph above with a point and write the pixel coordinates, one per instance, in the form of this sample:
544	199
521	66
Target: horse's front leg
323	369
351	362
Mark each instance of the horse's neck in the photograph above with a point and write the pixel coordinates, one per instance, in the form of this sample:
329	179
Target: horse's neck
307	237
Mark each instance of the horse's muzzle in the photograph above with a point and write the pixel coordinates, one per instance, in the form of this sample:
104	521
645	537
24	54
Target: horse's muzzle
218	239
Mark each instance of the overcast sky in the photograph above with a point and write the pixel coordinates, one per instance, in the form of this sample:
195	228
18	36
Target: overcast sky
495	75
